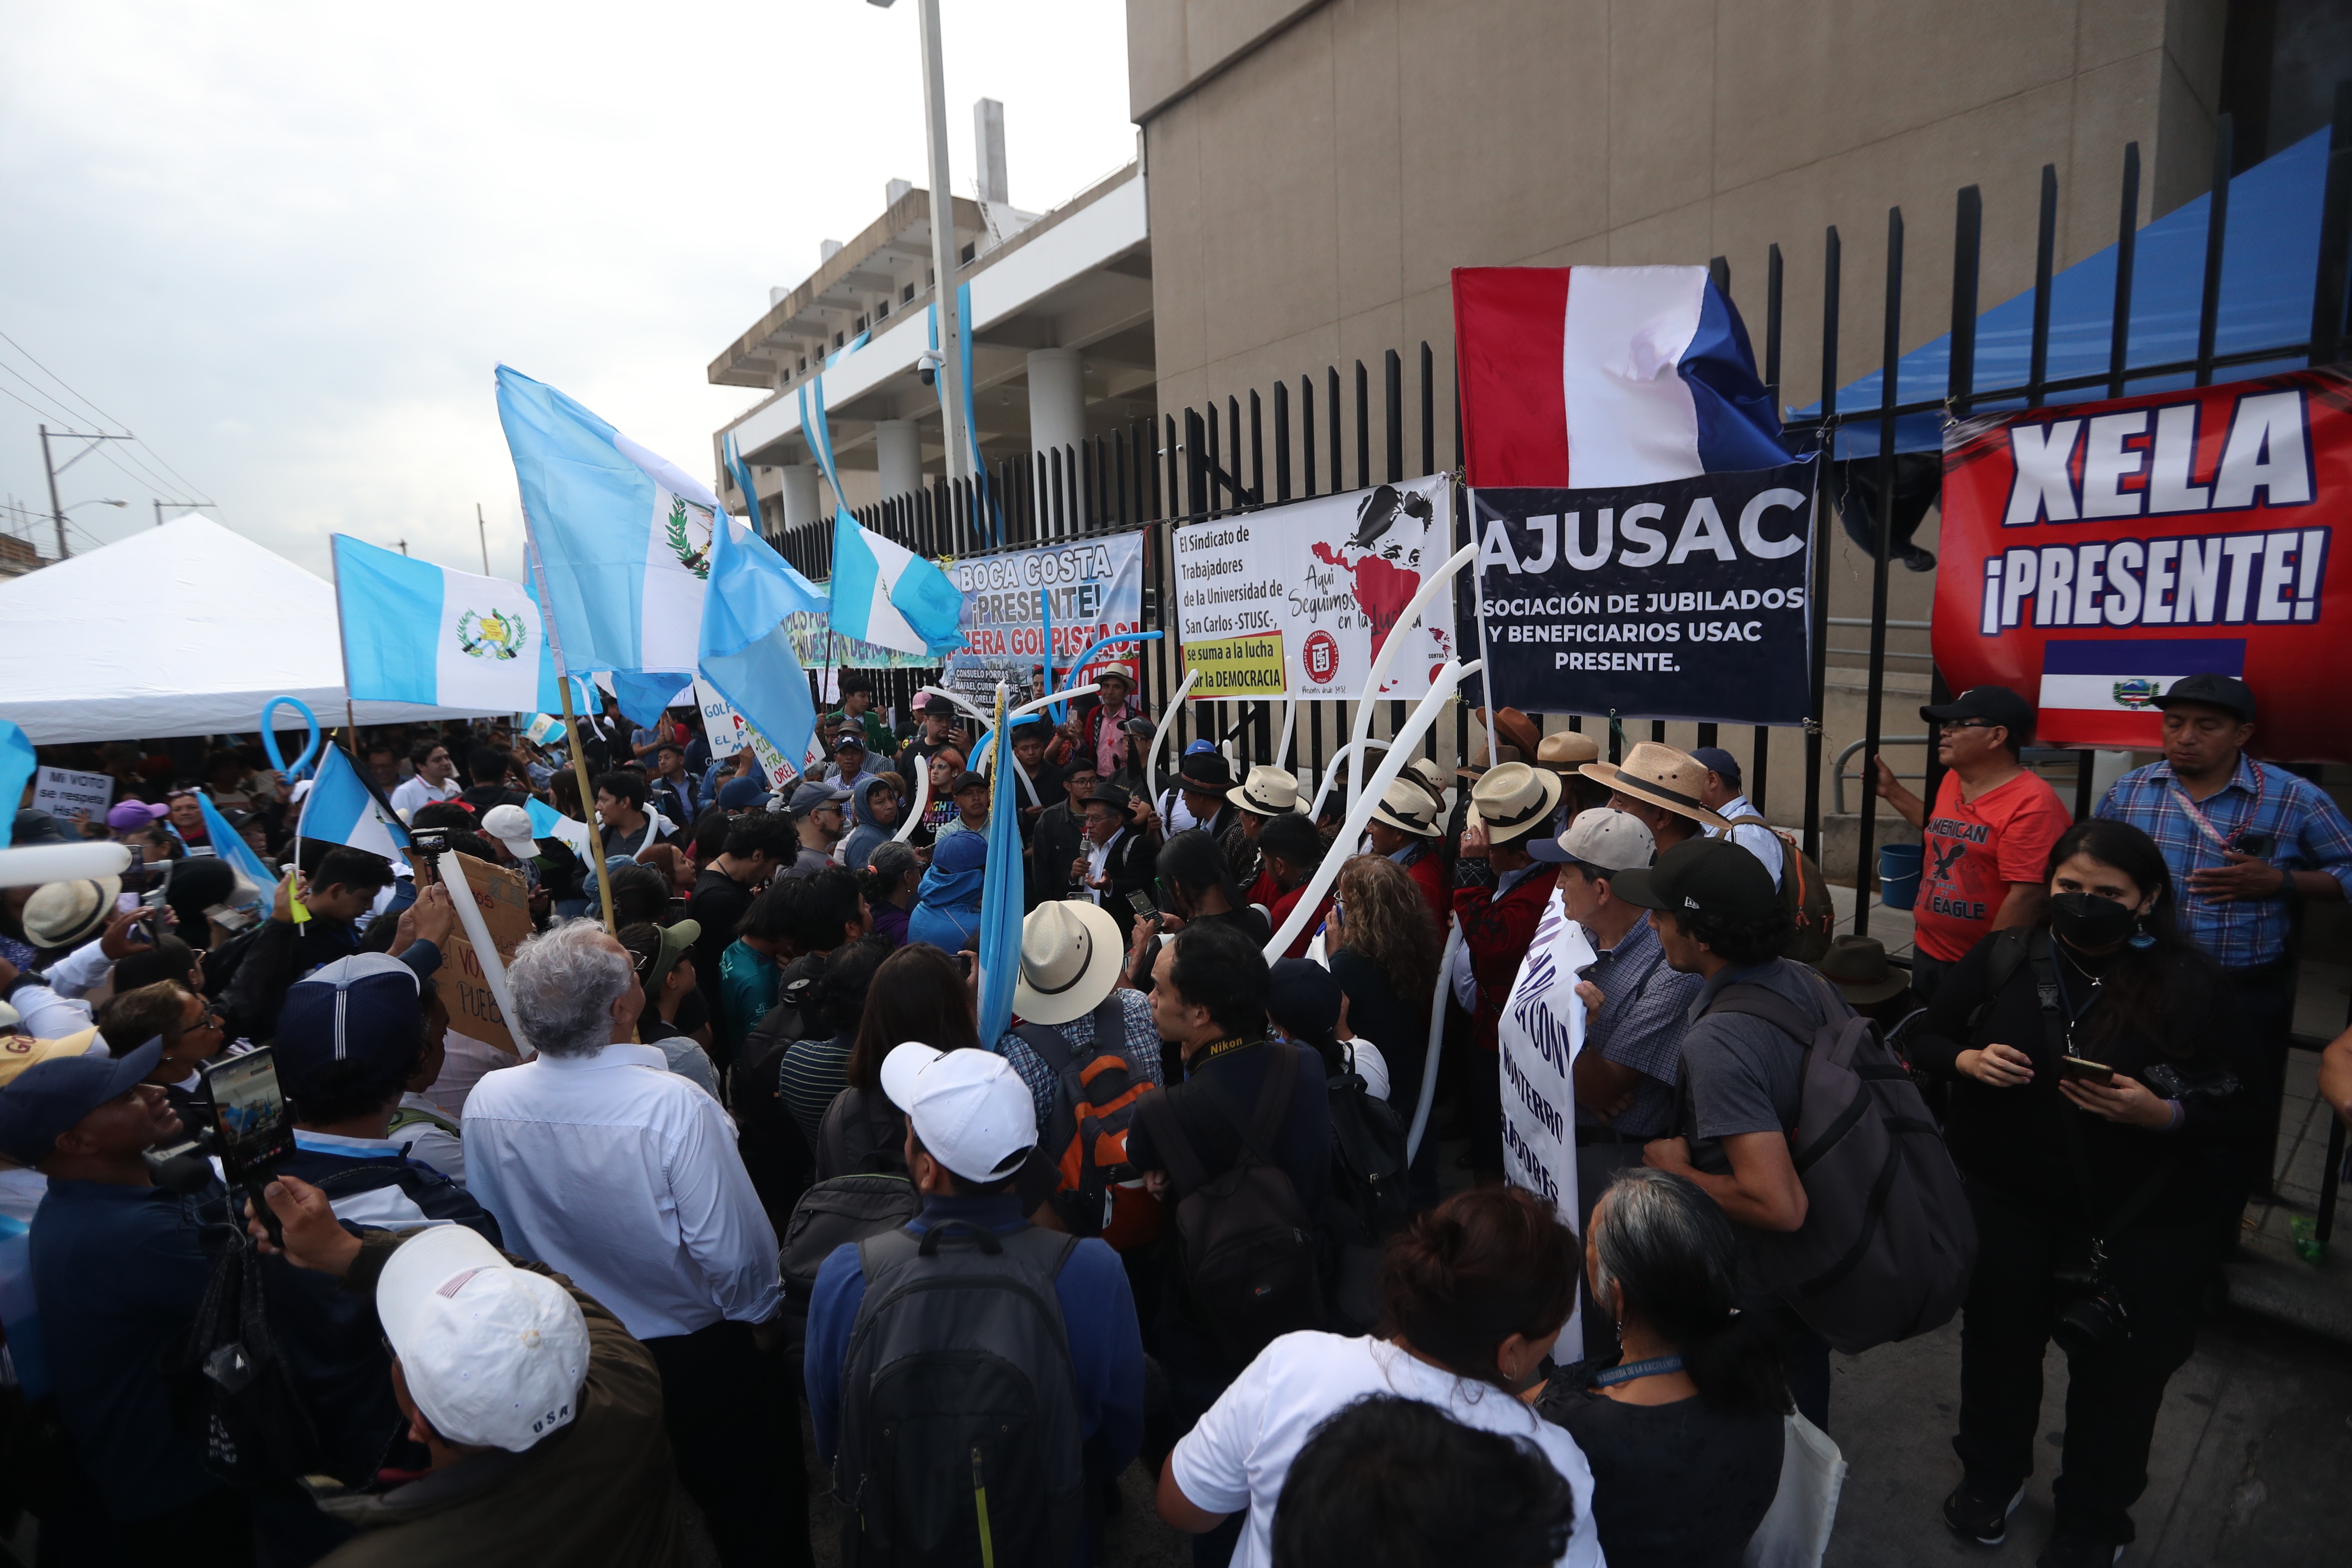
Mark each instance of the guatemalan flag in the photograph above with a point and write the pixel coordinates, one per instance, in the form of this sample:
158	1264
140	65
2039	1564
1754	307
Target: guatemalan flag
1603	377
415	632
884	593
341	808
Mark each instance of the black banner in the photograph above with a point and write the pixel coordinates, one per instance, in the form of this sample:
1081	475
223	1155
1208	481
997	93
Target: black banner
1685	600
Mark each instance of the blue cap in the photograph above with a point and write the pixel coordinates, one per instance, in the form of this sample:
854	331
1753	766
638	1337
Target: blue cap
354	1023
1718	761
1197	747
965	851
742	794
51	1098
815	792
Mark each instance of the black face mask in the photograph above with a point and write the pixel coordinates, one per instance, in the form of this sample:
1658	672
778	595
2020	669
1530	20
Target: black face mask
2086	921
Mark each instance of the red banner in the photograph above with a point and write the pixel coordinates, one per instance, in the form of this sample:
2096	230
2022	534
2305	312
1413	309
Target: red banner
2093	554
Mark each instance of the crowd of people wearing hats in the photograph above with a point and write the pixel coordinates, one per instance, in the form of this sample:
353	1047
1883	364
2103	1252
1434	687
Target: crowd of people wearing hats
751	1158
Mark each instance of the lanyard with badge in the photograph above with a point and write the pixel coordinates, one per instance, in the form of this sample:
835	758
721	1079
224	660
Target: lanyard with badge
2240	841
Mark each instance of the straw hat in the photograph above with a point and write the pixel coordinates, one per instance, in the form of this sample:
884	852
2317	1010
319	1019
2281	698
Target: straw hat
1425	772
1514	800
1070	960
1406	807
1267	792
1515	727
1662	776
67	914
1567	752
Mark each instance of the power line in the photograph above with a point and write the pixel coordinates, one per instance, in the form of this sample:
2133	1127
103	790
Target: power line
184	487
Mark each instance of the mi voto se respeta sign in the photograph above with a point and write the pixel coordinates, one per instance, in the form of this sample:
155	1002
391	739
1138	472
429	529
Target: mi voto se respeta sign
1680	600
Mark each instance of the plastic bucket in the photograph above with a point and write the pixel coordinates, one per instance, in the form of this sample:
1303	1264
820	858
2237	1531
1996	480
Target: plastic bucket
1898	875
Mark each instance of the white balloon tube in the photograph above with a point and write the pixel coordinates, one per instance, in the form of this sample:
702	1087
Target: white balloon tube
1436	1041
951	697
1343	755
1441	691
1396	639
922	798
1166	717
1289	722
86	862
486	952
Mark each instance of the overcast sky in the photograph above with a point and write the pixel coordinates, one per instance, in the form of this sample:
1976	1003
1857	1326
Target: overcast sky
286	245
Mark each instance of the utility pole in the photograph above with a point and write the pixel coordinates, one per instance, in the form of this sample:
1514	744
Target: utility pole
943	245
56	510
191	505
484	529
403	545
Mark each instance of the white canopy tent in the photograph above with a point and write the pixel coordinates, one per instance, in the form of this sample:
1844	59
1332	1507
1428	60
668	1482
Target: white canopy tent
187	629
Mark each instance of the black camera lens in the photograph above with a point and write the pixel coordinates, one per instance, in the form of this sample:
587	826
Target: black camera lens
2090	1323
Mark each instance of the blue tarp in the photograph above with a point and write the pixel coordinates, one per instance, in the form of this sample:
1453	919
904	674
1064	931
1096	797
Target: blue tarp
2270	265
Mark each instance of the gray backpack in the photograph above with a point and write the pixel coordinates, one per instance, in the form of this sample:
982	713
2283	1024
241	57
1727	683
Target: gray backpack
960	1440
1888	1239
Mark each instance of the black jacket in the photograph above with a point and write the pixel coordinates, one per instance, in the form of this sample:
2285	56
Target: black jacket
1052	847
2013	1141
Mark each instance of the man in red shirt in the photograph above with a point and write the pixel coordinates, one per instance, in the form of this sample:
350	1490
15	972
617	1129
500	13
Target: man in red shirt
1293	851
1404	828
1509	805
1986	864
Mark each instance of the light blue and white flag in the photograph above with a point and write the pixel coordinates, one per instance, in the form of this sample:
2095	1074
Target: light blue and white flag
747	653
884	593
415	632
17	763
230	845
341	809
622	535
546	822
1001	889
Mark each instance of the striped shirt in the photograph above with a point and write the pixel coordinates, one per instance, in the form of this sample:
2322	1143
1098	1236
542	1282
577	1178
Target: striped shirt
1142	1049
1645	1009
2305	829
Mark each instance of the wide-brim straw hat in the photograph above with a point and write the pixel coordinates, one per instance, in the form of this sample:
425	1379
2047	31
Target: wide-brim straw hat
1406	806
1661	775
1070	960
1567	752
1514	800
1266	792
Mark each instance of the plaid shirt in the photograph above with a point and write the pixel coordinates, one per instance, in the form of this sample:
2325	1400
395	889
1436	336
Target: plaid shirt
1142	1049
2307	831
1645	1009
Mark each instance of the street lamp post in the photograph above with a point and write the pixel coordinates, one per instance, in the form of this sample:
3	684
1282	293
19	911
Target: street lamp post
953	415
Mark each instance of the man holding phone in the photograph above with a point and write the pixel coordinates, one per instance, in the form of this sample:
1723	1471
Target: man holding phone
2245	841
1115	858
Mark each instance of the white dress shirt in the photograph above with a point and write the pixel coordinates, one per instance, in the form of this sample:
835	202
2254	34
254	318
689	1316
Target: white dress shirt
1098	863
616	1171
56	1009
1759	841
416	790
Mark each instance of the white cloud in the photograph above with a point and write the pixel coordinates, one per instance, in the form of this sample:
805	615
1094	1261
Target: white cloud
287	245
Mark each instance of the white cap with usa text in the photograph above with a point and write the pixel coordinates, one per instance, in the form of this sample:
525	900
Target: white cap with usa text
494	1355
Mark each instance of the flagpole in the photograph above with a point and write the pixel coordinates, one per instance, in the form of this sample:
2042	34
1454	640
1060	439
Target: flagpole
343	642
570	725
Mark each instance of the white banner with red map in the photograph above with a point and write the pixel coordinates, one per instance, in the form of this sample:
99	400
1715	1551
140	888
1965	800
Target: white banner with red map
1298	600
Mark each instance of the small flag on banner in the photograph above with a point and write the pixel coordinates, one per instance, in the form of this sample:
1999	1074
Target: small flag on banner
2102	691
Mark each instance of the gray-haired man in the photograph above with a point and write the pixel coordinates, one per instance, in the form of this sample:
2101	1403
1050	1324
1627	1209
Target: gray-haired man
627	1180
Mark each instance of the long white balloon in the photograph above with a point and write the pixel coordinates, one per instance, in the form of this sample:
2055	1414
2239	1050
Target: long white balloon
1344	755
1441	691
1289	722
38	862
1396	639
1166	717
922	798
1436	1041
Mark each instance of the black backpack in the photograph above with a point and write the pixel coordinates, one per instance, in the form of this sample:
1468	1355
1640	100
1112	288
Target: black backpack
959	1437
1888	1239
1367	1201
235	1386
1247	1249
832	1214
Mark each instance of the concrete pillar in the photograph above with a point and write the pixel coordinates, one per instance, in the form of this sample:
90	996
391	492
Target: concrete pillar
1057	419
899	453
800	495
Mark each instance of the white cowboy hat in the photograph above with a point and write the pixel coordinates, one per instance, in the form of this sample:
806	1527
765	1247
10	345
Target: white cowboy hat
1514	800
1662	776
1070	960
1267	792
1406	806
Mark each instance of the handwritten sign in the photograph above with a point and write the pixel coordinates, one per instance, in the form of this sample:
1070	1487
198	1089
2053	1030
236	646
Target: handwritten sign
67	795
503	898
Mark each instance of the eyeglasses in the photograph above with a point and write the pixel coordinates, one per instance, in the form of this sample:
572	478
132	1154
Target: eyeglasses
1949	725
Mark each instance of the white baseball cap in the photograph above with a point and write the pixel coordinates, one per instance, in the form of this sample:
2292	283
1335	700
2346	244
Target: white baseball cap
1609	839
971	1112
494	1355
510	826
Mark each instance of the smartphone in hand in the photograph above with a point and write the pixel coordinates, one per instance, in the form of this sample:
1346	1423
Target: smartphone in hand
2085	1071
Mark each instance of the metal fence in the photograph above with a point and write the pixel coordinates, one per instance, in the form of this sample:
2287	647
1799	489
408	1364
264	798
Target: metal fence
1317	435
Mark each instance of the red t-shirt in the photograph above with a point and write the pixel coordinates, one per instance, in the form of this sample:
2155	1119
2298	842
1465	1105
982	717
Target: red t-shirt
1280	912
1975	848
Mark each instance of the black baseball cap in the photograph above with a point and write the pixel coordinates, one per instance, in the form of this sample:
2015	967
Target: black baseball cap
1705	875
967	780
50	1098
850	740
2210	690
1996	704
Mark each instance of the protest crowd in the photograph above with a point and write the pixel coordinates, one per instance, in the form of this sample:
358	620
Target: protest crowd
566	1296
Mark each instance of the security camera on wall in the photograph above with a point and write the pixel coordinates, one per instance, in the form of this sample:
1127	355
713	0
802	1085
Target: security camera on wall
927	366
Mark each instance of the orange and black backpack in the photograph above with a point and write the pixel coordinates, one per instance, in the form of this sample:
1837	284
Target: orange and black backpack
1804	892
1099	1194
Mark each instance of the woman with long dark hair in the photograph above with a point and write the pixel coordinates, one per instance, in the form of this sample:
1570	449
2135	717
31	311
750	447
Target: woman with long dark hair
814	1070
920	993
2094	1105
1384	947
1473	1296
1684	1423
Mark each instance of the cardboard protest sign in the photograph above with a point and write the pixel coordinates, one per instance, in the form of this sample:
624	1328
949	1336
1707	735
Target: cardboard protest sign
2095	553
728	733
68	796
503	897
1298	600
1678	600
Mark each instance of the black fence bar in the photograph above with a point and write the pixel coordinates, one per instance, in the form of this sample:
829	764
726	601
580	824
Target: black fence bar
2044	246
2217	224
1282	441
1363	429
2334	220
1831	263
2126	252
1891	361
1339	447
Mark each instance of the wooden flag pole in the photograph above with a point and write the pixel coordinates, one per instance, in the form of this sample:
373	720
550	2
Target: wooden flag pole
587	801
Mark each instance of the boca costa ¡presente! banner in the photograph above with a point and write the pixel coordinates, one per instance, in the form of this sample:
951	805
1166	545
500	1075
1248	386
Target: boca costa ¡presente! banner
1298	600
2094	553
1680	600
1085	591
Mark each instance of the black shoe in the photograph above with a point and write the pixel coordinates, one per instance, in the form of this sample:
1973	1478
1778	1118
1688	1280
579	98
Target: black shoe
1980	1510
2078	1549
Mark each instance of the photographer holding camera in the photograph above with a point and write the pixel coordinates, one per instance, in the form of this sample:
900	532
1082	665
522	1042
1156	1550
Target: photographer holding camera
2095	1100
